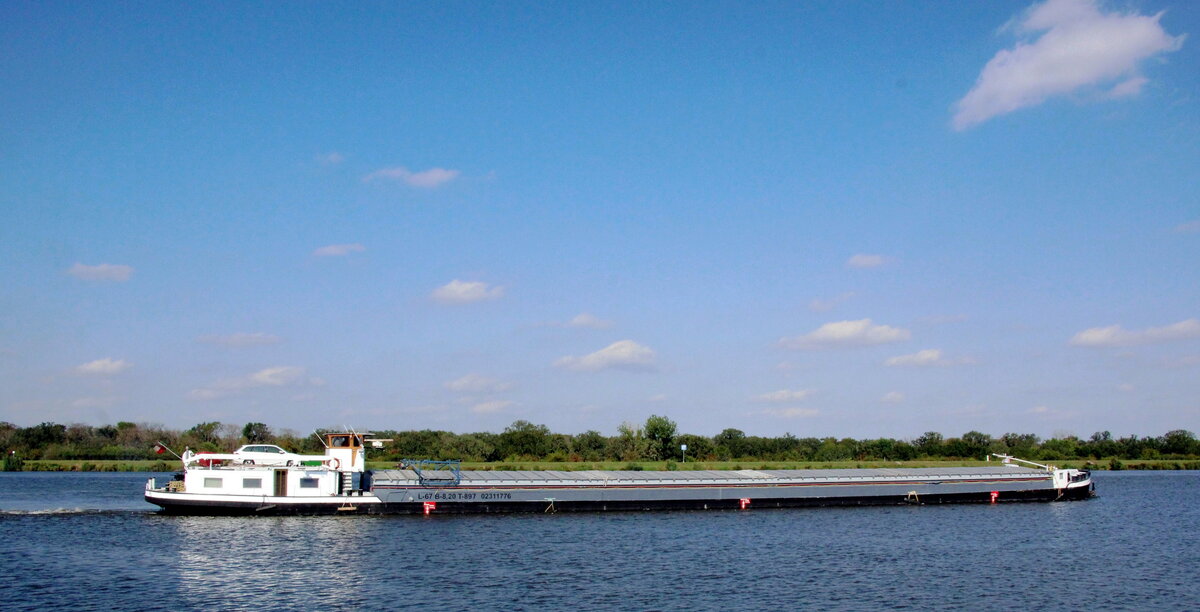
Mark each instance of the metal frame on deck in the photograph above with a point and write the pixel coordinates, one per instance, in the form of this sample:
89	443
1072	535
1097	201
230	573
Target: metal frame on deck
434	473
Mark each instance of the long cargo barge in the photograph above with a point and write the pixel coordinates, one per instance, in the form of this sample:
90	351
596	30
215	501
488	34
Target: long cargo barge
338	483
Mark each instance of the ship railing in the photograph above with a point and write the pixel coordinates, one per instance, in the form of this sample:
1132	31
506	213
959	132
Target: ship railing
431	473
1010	458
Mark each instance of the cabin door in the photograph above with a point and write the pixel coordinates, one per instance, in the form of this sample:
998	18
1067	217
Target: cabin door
280	483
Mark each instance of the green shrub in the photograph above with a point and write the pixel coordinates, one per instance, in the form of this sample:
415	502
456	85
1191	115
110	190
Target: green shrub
13	463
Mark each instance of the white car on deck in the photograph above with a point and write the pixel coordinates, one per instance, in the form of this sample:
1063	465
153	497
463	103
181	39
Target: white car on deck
266	454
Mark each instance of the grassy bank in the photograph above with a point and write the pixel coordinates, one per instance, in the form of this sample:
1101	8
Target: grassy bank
99	465
48	465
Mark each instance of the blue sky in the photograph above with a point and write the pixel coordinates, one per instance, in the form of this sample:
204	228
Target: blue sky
850	219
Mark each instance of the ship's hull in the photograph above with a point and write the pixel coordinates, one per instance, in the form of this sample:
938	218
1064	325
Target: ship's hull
238	505
396	492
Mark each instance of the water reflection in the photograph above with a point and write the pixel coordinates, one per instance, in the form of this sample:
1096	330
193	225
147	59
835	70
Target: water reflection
295	562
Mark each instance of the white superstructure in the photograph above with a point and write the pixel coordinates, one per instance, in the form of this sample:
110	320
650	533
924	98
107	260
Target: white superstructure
216	480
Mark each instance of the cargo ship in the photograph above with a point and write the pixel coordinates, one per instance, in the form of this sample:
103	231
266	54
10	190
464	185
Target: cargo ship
338	482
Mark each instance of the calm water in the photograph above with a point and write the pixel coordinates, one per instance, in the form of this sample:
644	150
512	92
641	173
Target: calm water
87	541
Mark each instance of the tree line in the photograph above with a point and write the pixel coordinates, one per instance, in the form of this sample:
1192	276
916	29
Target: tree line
657	439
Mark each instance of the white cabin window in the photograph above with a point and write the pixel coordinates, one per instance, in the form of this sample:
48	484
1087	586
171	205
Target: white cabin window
308	483
212	483
252	483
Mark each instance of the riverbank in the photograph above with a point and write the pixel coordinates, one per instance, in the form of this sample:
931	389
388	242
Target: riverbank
50	465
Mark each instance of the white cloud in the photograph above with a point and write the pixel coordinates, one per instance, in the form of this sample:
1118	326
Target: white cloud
943	319
791	412
1128	88
1125	387
862	260
927	357
101	272
338	250
822	305
1115	335
206	393
426	179
96	402
920	358
589	321
1079	46
623	355
581	321
847	334
241	339
492	407
475	383
332	158
276	376
784	396
1039	410
892	397
1191	227
1186	361
465	292
422	409
103	367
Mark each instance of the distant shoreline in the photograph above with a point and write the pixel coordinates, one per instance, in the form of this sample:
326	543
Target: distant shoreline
52	465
